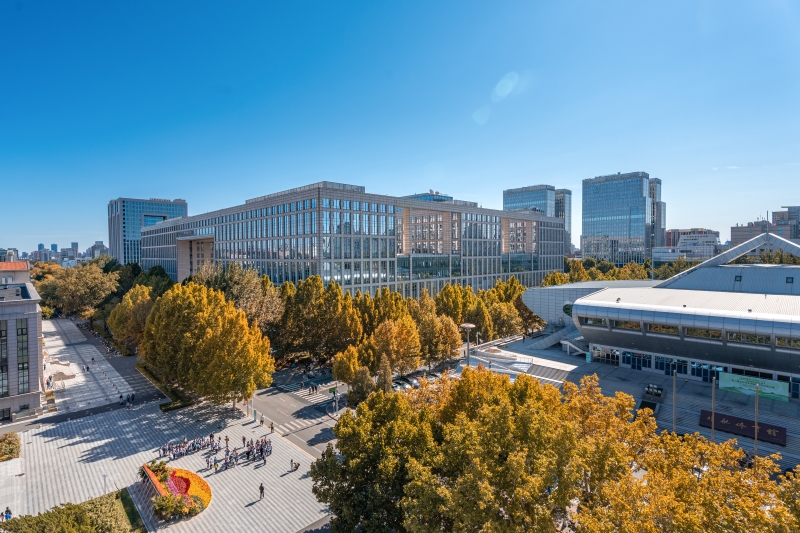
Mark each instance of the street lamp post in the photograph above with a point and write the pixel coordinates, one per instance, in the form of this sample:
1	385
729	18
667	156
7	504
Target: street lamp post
467	326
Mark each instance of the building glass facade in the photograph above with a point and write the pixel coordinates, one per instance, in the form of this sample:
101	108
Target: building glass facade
362	241
618	217
126	218
542	198
564	210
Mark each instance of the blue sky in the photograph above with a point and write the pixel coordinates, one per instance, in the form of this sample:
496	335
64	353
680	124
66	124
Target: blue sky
220	102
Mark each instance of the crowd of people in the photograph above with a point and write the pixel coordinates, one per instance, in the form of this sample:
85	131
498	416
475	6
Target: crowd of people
250	452
107	345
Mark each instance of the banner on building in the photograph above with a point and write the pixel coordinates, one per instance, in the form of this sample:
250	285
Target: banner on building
767	388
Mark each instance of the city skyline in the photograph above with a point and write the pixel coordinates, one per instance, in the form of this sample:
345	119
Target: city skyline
253	100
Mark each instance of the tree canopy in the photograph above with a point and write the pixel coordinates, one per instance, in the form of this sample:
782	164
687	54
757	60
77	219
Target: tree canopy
193	336
485	454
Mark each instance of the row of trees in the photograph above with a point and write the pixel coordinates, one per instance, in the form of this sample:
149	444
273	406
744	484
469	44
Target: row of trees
399	334
589	269
485	454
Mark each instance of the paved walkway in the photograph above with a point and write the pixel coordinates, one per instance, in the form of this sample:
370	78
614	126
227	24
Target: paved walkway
101	385
67	462
322	396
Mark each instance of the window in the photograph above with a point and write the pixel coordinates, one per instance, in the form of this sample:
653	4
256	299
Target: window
593	321
763	340
22	354
737	278
790	280
704	333
783	342
3	358
664	330
621	324
326	202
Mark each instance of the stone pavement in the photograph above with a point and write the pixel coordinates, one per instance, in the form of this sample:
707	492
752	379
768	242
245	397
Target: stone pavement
100	386
66	462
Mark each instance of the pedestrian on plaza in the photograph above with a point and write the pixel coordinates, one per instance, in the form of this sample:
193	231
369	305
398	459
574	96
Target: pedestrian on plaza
120	399
127	397
272	427
7	514
216	467
261	492
133	394
262	420
244	440
226	442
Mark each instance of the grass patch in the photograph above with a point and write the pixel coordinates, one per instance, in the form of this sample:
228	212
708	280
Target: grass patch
9	446
179	399
111	513
135	521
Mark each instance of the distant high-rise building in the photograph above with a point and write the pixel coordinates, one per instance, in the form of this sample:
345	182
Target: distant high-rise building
564	210
75	246
619	224
54	248
658	216
547	200
126	218
40	247
541	198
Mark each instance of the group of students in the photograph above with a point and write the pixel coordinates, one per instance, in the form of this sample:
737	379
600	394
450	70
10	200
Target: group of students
251	451
180	449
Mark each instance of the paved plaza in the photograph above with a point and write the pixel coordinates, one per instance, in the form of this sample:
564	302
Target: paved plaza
84	458
101	385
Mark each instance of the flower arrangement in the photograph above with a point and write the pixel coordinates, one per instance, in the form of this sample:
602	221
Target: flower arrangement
181	492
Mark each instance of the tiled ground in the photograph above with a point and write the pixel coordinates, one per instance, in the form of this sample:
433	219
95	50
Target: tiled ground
67	461
99	386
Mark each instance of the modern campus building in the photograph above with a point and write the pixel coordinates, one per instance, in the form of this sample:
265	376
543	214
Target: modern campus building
20	350
363	241
127	217
623	217
547	200
741	319
674	235
689	247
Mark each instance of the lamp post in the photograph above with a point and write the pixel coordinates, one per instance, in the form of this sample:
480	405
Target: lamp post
467	326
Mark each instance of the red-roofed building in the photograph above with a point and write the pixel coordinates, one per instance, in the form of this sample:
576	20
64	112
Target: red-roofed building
14	272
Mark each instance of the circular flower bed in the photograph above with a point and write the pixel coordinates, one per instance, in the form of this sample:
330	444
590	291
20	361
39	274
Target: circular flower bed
181	493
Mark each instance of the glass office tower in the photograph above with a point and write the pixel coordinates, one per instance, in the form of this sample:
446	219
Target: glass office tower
126	218
564	210
618	217
542	198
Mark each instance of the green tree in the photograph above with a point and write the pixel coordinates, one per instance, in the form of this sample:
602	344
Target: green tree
247	289
479	315
363	481
157	279
128	319
79	290
361	387
577	273
455	301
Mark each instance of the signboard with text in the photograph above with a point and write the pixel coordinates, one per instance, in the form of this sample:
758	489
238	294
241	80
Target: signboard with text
744	427
772	390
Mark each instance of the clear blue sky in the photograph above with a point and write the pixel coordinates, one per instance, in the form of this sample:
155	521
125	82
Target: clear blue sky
220	102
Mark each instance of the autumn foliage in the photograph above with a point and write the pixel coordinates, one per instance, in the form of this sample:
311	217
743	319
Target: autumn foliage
484	454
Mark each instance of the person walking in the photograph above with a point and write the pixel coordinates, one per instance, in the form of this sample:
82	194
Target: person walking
226	442
272	427
133	395
244	440
262	420
261	492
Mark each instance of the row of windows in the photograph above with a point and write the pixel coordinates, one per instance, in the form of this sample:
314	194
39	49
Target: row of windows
744	338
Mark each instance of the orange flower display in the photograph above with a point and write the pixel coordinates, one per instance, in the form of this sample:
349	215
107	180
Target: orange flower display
197	486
